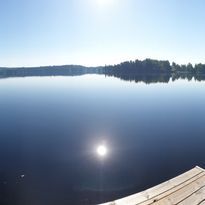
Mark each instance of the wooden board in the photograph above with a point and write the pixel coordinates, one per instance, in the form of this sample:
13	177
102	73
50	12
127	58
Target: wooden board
185	189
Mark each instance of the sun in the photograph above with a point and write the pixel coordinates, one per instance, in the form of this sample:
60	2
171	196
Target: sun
104	2
101	150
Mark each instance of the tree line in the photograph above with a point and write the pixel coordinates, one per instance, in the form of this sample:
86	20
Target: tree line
147	71
150	66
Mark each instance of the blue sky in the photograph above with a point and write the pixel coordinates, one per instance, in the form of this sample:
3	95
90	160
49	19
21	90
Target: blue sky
98	32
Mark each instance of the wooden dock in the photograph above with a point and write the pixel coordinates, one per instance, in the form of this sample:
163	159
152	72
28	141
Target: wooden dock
185	189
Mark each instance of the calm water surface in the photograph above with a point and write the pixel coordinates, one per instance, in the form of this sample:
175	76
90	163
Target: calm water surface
50	128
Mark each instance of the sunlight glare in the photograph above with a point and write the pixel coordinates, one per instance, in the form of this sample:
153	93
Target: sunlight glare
101	150
103	3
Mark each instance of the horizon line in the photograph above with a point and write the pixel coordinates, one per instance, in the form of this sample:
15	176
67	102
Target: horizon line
97	66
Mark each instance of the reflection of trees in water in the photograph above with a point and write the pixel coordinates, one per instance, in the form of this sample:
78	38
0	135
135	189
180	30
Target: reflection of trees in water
158	78
152	78
188	76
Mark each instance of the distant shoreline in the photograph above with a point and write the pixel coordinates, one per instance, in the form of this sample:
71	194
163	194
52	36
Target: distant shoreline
100	66
147	71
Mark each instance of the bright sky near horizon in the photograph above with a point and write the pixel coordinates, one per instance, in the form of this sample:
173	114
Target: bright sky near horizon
99	32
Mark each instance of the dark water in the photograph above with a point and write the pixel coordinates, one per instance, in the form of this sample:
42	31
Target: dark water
50	128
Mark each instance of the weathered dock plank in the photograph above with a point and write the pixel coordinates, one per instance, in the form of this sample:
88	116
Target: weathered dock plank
187	188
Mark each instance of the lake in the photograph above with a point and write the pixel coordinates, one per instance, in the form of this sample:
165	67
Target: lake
50	128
